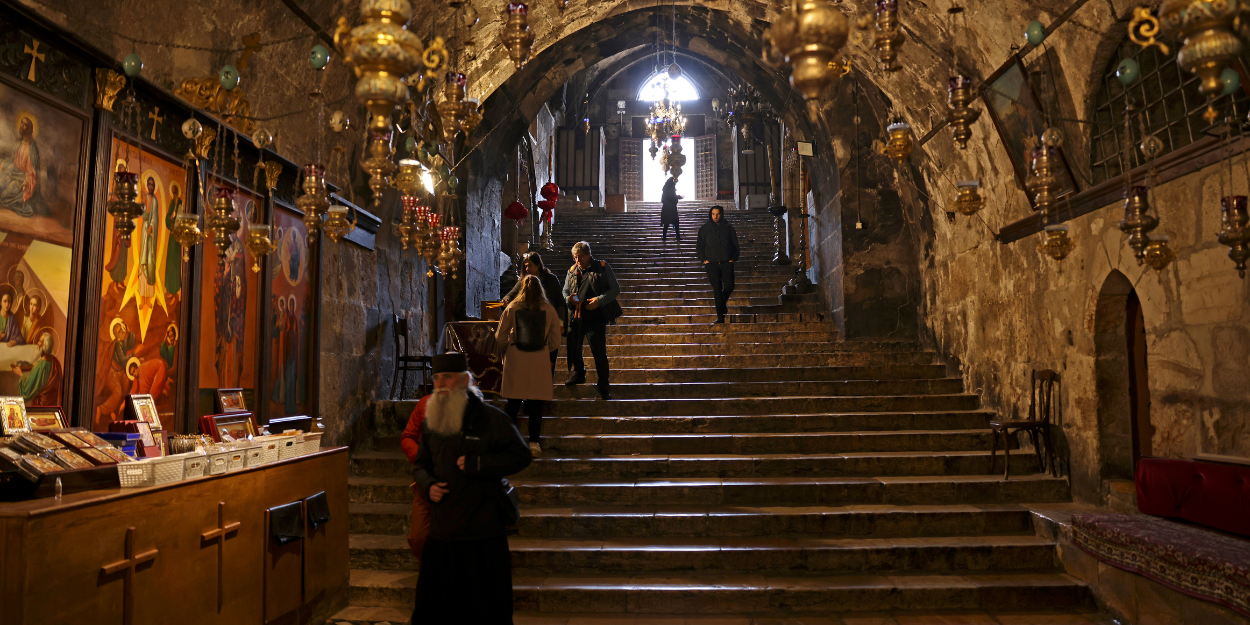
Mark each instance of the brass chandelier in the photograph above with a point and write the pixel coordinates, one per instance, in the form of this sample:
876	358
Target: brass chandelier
806	39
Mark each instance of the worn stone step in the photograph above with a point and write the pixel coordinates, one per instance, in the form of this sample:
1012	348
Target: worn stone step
781	443
758	405
657	388
880	521
1071	616
378	588
725	348
381	552
735	326
758	359
734	308
708	317
711	593
765	423
865	373
919	490
368	615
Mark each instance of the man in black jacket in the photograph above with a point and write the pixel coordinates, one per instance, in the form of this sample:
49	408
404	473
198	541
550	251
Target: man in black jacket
591	289
466	448
717	248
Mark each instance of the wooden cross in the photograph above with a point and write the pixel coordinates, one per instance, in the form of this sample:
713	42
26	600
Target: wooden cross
127	568
219	536
35	57
156	118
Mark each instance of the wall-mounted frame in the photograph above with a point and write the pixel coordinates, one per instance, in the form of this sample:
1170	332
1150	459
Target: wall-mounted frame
230	400
1018	117
45	418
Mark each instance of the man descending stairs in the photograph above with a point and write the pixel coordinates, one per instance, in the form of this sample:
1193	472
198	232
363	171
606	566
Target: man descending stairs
760	471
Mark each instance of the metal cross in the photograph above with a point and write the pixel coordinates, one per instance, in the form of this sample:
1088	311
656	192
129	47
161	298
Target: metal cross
219	536
156	118
35	57
127	568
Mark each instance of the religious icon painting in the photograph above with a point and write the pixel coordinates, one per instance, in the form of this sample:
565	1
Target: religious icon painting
142	407
43	152
289	322
1018	117
45	418
13	415
141	295
232	427
229	310
230	400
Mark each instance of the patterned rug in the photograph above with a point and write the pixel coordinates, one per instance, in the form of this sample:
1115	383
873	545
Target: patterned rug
1198	562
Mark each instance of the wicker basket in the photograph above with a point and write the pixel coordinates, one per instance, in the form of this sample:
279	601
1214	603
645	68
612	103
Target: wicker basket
255	455
135	474
236	460
290	448
196	465
218	462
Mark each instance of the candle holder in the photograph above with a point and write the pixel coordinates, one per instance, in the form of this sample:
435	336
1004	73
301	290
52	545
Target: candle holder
259	242
968	200
337	226
899	144
961	116
1233	231
315	201
1137	222
187	233
221	222
125	208
1056	243
1158	255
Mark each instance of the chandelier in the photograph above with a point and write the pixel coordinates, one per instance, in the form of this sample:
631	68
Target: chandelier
665	121
807	37
743	106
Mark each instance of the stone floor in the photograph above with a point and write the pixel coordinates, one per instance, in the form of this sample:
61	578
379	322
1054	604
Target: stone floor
758	472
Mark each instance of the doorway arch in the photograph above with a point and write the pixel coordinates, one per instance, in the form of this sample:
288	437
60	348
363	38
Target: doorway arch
1124	428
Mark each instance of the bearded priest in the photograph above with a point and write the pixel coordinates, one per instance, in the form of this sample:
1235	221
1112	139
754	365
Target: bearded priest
466	449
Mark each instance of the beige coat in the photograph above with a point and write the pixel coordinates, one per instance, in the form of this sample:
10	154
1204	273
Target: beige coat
527	375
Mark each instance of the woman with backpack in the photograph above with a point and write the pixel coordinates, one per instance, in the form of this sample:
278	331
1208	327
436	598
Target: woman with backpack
530	328
532	264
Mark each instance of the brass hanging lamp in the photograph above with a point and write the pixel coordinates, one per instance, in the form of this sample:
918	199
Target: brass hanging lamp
516	36
808	35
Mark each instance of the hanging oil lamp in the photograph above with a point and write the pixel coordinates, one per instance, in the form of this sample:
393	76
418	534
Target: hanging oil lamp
221	222
125	208
1209	34
889	36
1138	222
899	144
1044	182
315	201
961	116
408	227
1158	255
432	244
1056	243
450	257
808	35
454	109
1233	231
378	164
968	198
382	52
676	160
337	226
186	230
259	239
517	37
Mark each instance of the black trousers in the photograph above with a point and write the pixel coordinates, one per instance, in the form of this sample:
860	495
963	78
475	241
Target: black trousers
598	337
555	352
464	581
676	229
721	275
533	410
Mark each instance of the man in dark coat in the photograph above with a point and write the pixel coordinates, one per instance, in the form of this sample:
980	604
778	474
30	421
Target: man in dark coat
717	248
668	208
591	289
466	448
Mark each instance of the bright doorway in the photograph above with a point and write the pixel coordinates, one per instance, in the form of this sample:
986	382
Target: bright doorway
653	176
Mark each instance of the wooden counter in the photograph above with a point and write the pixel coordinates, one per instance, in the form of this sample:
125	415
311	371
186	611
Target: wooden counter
69	561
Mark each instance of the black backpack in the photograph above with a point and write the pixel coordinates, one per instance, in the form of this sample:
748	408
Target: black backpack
530	332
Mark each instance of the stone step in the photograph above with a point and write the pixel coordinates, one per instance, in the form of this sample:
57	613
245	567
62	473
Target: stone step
605	522
390	482
711	592
367	615
1072	616
921	490
753	424
382	589
731	349
758	405
538	556
868	373
690	327
629	318
734	308
657	389
755	360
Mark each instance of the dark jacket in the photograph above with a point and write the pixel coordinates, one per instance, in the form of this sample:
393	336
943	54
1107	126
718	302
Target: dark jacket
551	290
718	242
598	281
492	449
668	204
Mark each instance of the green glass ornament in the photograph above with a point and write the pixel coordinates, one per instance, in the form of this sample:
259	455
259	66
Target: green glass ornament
1231	80
1127	72
1035	33
319	57
410	145
132	64
453	183
229	77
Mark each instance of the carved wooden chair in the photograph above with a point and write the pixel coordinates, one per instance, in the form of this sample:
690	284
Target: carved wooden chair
1041	411
405	362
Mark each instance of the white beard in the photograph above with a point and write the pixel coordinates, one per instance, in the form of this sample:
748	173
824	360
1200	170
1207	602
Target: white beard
444	412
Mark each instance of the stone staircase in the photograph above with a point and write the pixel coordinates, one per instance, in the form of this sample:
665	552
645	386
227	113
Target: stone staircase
759	472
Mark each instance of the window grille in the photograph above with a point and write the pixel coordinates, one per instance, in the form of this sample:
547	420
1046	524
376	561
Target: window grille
1165	96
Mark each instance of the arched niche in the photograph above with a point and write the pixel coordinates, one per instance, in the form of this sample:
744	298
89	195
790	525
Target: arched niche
1124	430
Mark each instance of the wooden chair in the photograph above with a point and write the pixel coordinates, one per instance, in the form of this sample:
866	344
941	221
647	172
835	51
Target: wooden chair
1041	410
404	362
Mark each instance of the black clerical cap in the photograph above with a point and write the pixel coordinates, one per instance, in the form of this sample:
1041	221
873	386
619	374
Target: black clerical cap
454	362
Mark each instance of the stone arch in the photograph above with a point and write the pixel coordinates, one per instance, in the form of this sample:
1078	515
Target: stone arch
1119	365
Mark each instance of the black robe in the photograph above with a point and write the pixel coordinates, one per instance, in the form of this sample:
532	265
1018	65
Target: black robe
668	205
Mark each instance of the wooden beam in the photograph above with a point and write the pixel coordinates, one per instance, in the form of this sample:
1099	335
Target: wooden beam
303	15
